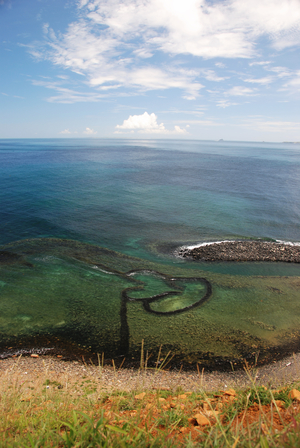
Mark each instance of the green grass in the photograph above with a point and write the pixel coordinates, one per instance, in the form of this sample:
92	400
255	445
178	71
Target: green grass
53	413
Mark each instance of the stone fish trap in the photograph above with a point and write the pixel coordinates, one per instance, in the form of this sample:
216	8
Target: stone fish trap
146	301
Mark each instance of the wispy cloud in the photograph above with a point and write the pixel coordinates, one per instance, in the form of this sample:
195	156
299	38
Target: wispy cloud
116	45
293	84
203	123
67	95
224	103
263	81
272	125
240	91
200	28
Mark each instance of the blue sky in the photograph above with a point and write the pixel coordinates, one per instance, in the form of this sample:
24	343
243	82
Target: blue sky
197	69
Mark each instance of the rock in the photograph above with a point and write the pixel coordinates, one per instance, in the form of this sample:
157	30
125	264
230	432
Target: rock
140	396
192	421
279	403
230	392
294	394
202	420
245	251
212	413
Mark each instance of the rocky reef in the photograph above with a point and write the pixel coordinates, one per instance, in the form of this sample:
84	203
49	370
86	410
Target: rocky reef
244	251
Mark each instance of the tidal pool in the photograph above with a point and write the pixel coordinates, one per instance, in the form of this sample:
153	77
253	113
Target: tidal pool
63	293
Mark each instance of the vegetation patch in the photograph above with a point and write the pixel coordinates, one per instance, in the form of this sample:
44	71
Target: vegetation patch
48	412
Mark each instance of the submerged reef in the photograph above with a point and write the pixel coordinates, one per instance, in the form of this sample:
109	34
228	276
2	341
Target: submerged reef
244	251
77	299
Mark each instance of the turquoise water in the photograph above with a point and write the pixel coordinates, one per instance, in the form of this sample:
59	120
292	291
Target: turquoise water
78	216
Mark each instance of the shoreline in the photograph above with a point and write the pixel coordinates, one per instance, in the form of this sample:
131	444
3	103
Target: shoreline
275	374
243	251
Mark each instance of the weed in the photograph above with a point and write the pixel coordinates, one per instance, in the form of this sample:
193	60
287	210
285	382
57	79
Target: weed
125	405
32	415
260	395
53	383
172	418
283	395
164	393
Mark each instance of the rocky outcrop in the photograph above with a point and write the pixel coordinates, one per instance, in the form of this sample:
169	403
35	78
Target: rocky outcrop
244	251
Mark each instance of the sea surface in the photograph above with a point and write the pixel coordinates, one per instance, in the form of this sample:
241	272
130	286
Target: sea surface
90	230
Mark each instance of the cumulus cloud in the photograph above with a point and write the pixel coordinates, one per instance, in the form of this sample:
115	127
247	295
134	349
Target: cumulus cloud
89	131
147	124
66	131
179	130
144	122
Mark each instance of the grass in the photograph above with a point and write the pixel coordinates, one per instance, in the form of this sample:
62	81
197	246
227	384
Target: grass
51	413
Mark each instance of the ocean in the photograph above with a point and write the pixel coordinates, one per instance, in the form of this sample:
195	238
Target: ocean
90	229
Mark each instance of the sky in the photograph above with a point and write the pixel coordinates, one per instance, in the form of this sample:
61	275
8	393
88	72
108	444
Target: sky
195	69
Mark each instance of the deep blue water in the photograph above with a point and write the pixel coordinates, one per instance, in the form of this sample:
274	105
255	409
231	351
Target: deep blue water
127	194
145	198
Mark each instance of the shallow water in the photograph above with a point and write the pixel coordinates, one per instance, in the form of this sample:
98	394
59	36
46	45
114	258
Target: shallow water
67	290
96	218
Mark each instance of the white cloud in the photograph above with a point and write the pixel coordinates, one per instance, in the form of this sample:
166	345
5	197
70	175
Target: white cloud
179	130
210	75
281	72
240	91
224	103
113	43
66	95
273	126
146	124
189	97
263	63
89	131
294	83
66	131
204	123
197	111
200	27
96	56
263	81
